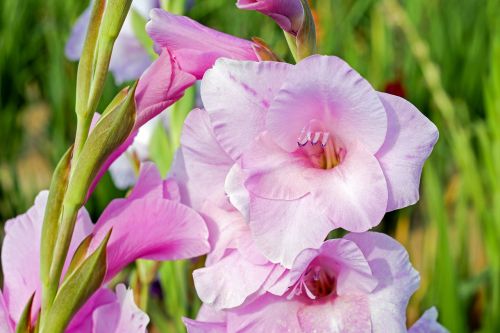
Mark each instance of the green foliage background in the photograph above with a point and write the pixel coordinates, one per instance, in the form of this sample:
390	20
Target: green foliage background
444	55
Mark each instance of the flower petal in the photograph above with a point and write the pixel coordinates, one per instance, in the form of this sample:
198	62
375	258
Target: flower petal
6	325
236	93
409	142
397	280
282	229
121	316
428	323
196	47
328	90
230	281
150	228
205	163
344	314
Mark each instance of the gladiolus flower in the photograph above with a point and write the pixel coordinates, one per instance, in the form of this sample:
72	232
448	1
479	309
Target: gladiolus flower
302	150
360	283
150	223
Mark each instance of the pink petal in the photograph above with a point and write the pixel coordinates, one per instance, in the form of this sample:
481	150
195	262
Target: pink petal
6	325
282	229
229	282
197	326
409	142
287	13
205	163
224	228
236	93
196	47
150	228
268	313
234	186
162	84
81	322
397	280
327	89
344	314
428	323
287	217
21	254
122	316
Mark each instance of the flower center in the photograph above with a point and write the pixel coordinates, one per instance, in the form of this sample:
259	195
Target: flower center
322	150
318	282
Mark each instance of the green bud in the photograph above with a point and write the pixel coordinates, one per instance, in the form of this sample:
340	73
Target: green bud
50	227
76	290
304	44
110	132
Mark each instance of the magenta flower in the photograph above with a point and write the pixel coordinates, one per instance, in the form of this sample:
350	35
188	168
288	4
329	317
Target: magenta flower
151	223
302	150
194	46
289	14
130	58
361	283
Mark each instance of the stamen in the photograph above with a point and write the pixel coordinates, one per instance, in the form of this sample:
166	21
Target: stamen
303	138
324	141
316	138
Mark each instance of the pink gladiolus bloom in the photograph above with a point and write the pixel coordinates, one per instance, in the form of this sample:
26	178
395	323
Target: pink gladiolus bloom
150	223
302	150
289	14
360	283
194	46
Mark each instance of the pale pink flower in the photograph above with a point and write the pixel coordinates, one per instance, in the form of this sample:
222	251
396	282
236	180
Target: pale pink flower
150	223
289	14
360	283
302	150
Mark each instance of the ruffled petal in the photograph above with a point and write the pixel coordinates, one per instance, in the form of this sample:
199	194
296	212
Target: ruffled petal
205	163
397	280
236	93
409	142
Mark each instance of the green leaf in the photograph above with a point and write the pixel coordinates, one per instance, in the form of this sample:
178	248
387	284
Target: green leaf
76	290
24	323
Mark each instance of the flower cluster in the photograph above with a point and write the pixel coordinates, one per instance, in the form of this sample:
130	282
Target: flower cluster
277	157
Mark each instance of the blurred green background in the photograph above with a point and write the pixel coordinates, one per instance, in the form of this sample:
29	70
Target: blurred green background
442	55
